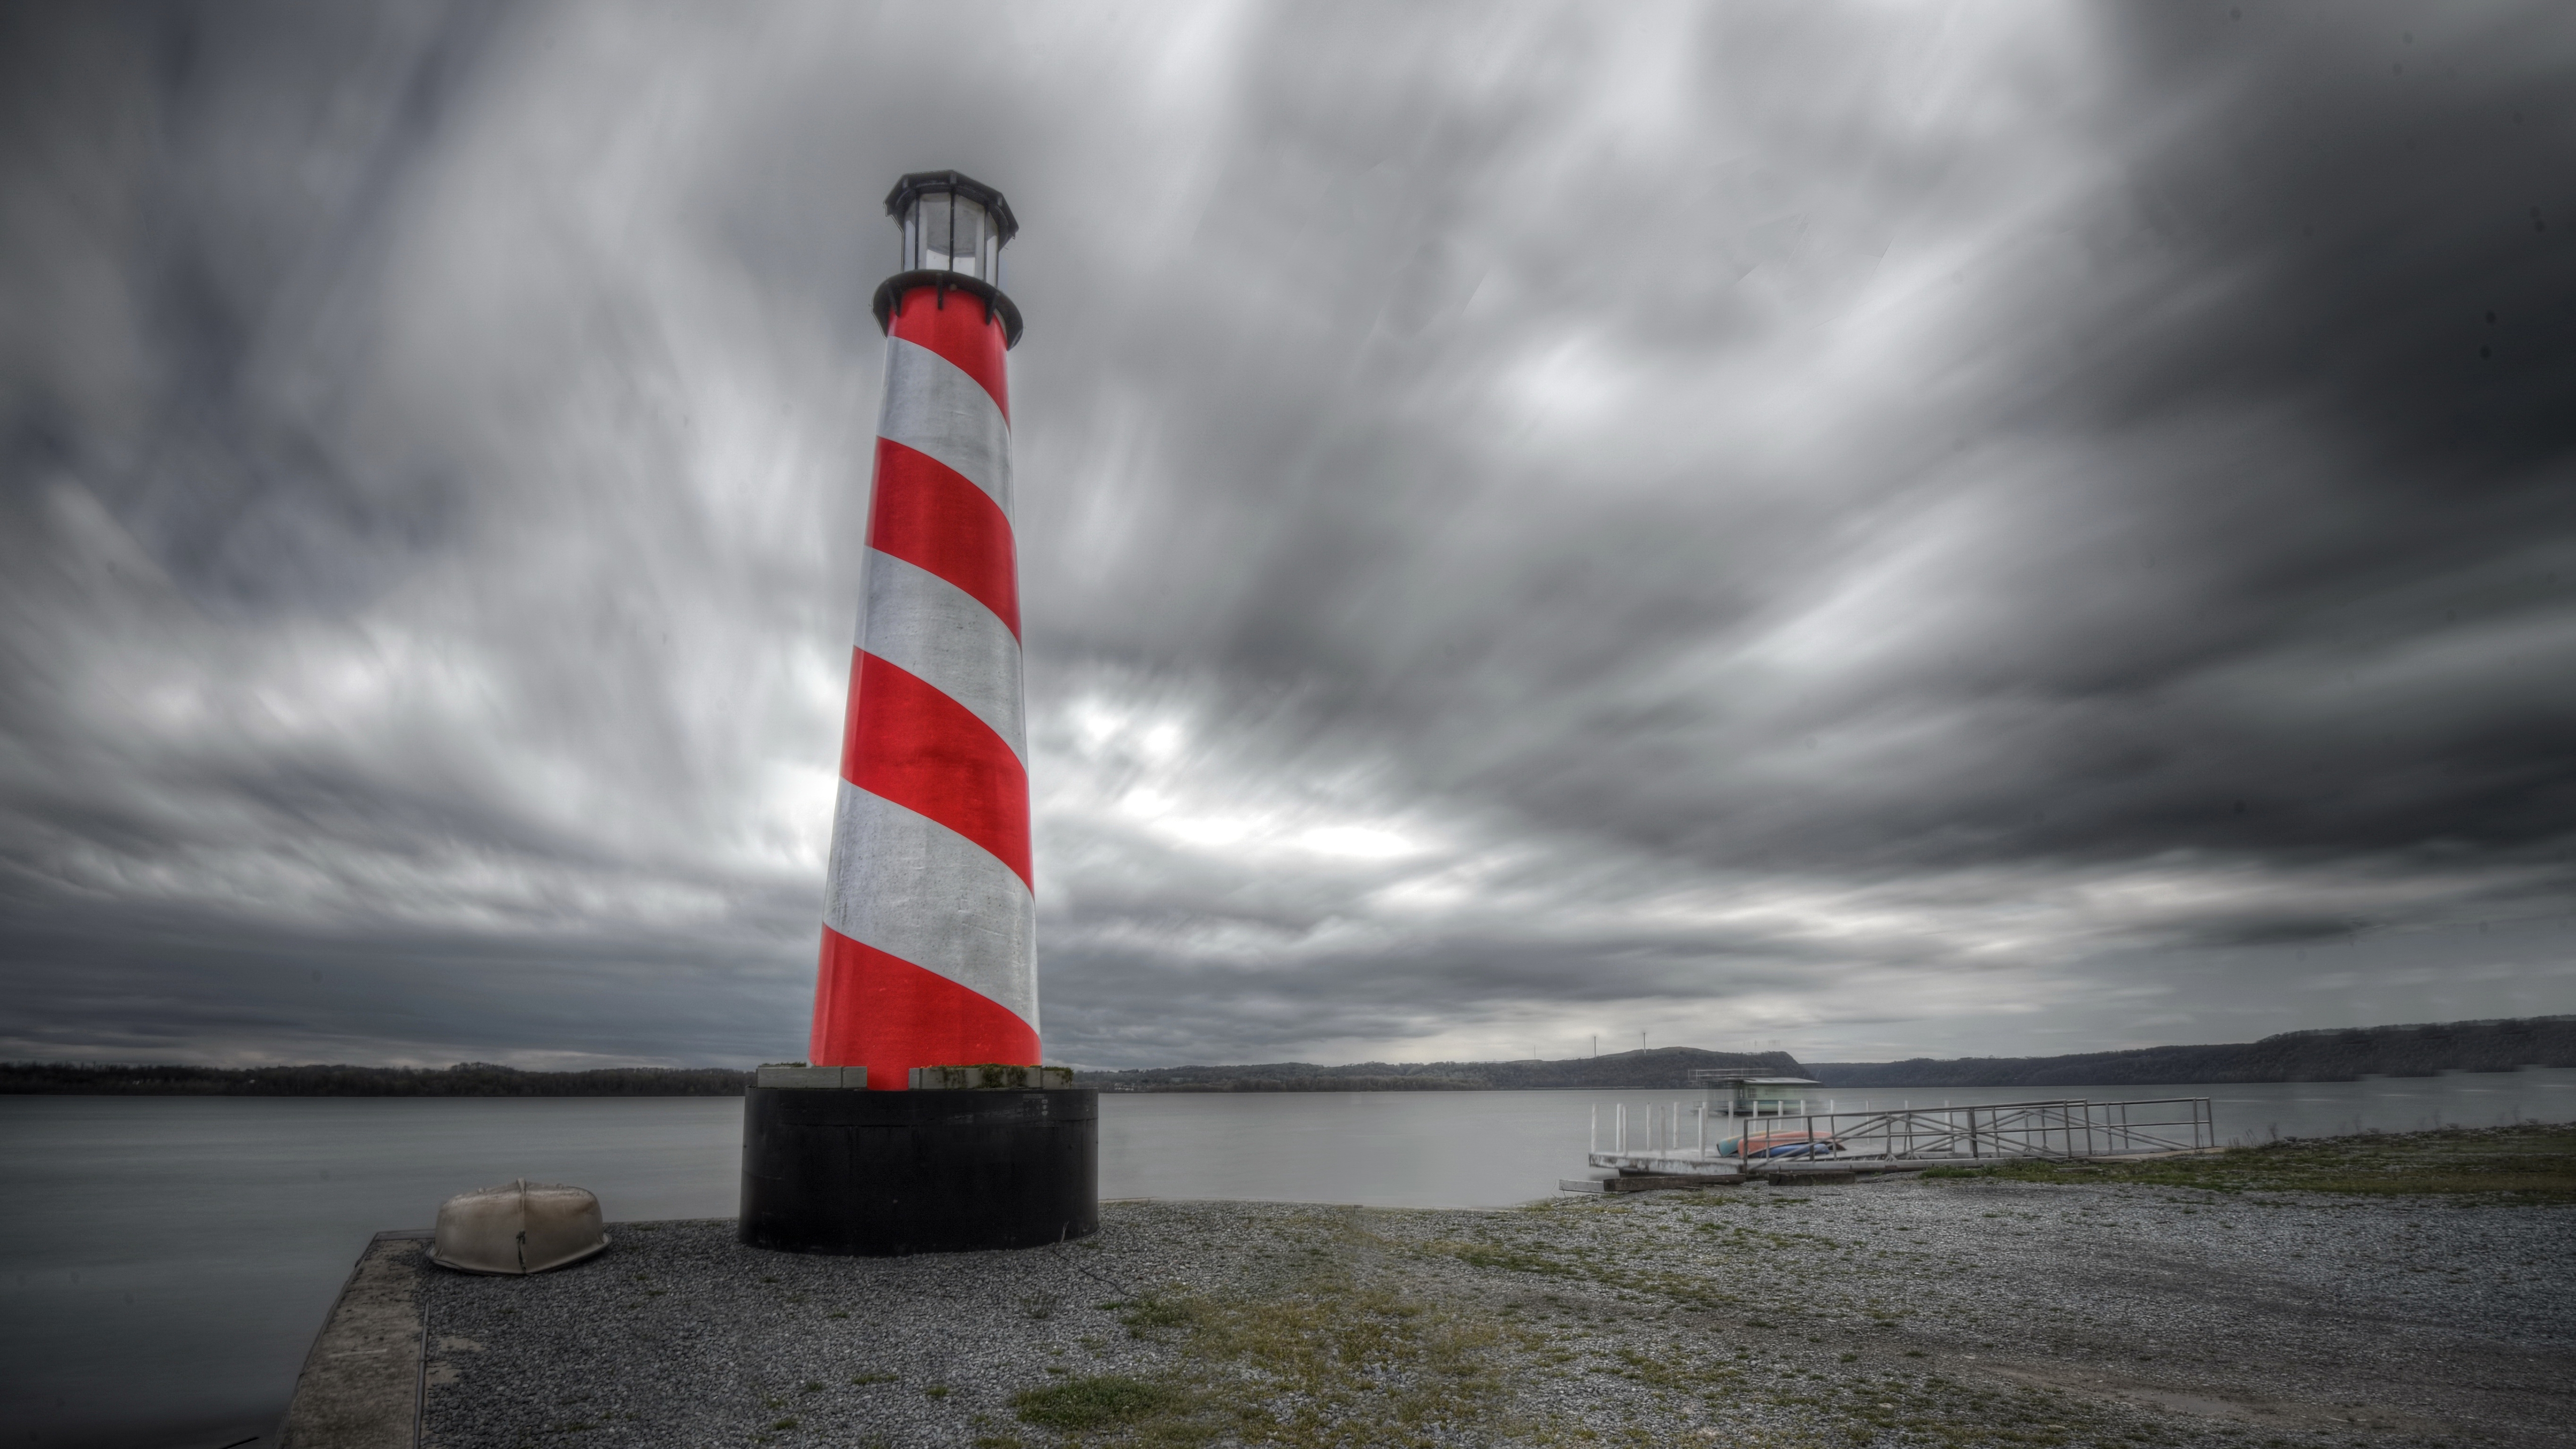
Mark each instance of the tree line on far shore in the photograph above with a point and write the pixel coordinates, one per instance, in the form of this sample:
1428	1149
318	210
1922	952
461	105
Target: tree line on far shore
466	1079
2330	1055
1659	1069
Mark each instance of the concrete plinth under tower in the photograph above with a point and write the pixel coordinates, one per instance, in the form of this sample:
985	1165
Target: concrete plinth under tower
882	1174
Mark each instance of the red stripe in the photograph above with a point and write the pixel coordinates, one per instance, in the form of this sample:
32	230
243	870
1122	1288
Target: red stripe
927	514
957	330
884	1013
906	742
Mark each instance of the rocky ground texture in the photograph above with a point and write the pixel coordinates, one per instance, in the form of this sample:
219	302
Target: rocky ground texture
1897	1311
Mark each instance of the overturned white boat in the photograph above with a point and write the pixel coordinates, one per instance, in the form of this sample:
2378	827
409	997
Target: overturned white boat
518	1227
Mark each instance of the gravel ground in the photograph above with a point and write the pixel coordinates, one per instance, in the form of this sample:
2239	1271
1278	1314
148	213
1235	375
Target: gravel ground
1881	1312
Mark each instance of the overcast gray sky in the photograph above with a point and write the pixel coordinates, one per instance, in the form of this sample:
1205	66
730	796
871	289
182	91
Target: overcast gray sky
1881	529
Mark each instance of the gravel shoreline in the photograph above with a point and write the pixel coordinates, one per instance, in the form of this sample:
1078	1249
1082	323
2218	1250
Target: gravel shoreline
1886	1312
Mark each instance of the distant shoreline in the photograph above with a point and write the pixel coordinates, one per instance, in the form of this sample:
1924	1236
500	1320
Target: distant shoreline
467	1079
2329	1055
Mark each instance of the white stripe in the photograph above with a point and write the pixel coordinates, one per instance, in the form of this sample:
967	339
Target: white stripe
932	405
912	887
929	627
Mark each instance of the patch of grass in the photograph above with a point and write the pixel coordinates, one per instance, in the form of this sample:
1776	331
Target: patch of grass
1152	1314
1486	1255
1093	1403
1347	1364
1334	1355
874	1378
936	1391
2532	1163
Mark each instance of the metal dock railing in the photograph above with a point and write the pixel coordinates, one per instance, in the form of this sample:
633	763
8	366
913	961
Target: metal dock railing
1896	1139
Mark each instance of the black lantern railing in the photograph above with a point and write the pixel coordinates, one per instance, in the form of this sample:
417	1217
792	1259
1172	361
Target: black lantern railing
954	228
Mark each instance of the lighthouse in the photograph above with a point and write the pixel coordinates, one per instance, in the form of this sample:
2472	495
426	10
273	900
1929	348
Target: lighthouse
929	952
922	1120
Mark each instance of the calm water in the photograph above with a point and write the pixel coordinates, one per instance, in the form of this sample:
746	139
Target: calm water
164	1261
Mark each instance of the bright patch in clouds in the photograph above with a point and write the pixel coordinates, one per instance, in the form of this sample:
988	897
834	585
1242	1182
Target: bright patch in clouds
1360	842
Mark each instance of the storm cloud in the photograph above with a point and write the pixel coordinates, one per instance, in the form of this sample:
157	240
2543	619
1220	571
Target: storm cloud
1884	530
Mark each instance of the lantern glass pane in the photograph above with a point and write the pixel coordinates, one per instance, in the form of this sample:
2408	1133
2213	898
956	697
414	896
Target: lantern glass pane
953	233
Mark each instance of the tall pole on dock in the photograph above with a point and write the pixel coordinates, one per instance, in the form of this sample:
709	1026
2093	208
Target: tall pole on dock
929	952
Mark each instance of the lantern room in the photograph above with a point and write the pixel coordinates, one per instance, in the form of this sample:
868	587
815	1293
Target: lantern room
954	228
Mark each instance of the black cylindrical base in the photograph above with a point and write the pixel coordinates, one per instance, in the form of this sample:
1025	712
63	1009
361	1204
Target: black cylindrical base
880	1174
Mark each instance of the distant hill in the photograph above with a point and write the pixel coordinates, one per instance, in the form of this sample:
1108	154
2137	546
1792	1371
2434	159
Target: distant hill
1660	1068
2329	1055
466	1079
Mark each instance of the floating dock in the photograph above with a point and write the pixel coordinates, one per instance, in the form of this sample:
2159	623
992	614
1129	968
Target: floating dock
1705	1145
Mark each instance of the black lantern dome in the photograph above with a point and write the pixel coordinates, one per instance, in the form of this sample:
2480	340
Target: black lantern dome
954	228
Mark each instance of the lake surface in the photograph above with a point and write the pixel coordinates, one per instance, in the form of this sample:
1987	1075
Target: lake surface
164	1261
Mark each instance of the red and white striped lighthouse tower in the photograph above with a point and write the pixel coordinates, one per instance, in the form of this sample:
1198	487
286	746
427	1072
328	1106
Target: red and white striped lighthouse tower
929	945
922	1121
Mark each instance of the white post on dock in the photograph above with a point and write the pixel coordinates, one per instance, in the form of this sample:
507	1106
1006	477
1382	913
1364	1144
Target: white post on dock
1619	1125
1596	1126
